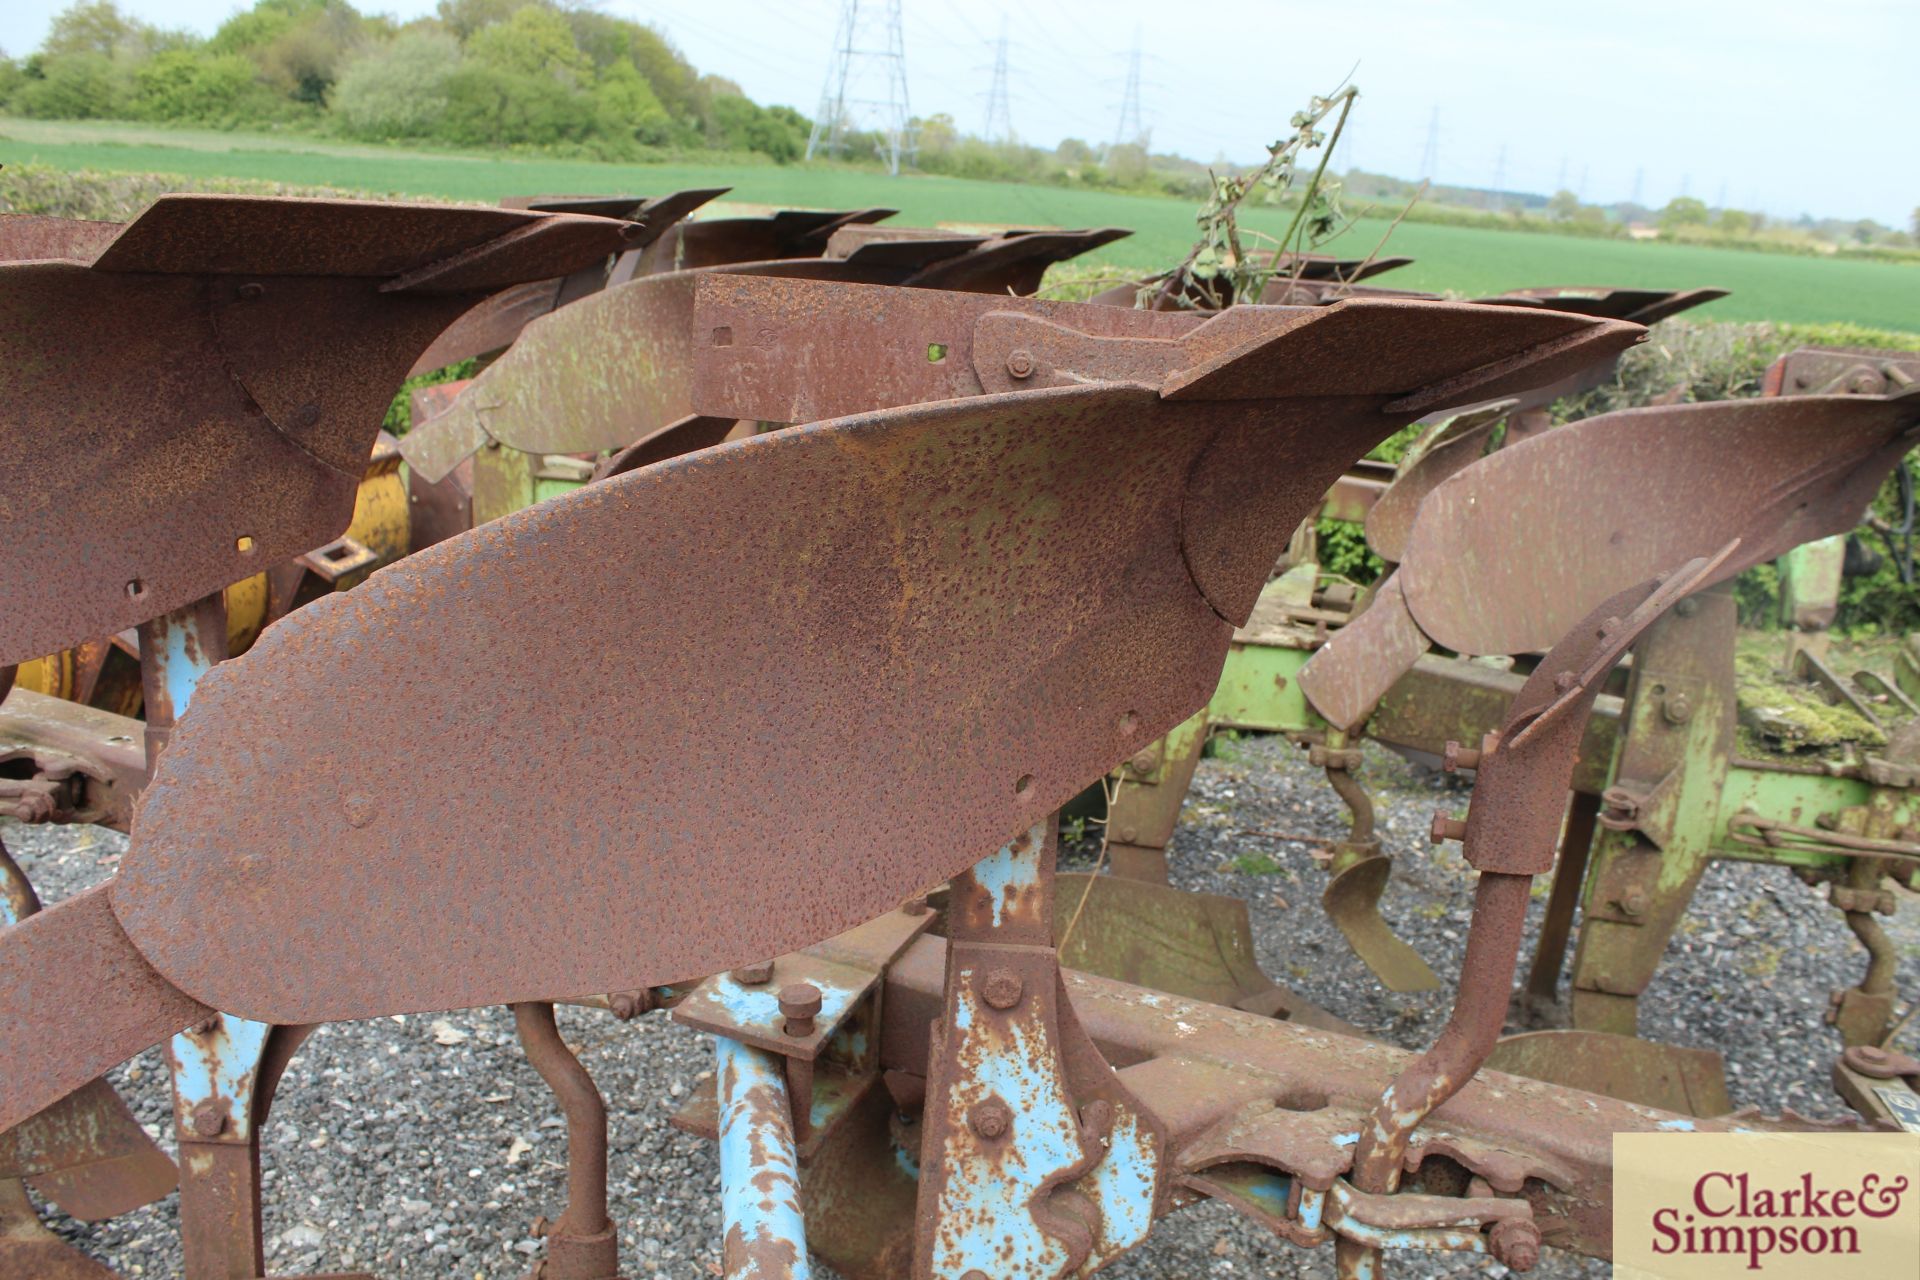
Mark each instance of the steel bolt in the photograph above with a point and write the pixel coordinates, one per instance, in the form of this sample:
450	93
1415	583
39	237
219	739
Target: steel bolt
1608	627
1128	835
1677	707
754	975
1516	1243
1871	1055
1565	681
1457	757
1020	364
209	1121
251	291
1633	902
915	906
799	1004
1002	988
990	1119
627	1005
1447	827
1687	608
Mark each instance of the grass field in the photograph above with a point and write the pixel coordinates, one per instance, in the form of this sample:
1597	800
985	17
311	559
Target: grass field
1463	260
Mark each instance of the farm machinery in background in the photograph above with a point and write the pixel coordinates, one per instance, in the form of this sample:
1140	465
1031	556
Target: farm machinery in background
1010	542
1675	771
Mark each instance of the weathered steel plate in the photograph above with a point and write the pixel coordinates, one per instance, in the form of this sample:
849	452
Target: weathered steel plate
1450	447
1505	554
1691	1082
592	376
26	237
495	323
932	544
1642	306
168	431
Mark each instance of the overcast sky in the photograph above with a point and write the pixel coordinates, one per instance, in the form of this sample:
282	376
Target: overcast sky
1787	107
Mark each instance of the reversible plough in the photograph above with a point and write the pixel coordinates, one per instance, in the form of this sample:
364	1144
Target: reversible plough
865	563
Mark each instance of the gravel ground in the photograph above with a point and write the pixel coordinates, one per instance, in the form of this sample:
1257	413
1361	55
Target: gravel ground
426	1146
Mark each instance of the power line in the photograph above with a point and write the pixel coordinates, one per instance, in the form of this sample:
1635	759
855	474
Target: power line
844	64
1430	158
999	112
1130	129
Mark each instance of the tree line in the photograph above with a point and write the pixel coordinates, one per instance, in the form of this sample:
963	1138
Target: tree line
515	73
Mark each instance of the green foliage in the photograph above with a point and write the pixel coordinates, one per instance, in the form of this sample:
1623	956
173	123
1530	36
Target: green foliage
1756	595
627	103
737	124
1256	863
485	73
1880	603
192	85
1344	552
1683	211
1734	222
399	90
490	106
399	417
77	86
534	42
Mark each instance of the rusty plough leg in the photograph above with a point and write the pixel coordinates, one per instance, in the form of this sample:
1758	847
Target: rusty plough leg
582	1243
1357	876
1510	836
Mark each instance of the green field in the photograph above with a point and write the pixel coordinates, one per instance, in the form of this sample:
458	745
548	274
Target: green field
1463	260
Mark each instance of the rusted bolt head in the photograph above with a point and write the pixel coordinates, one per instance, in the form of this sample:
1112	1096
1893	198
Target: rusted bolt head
754	975
1128	834
1447	827
1020	364
1145	761
1516	1243
1871	1055
799	1004
1609	626
990	1119
1687	608
209	1119
1565	681
915	906
251	291
1457	757
1633	902
629	1004
1677	707
1002	988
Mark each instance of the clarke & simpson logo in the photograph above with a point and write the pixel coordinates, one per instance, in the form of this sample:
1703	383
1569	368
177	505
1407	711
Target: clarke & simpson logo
1700	1206
1728	1215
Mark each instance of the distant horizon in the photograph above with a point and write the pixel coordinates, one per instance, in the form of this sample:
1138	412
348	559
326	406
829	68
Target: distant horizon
1736	104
